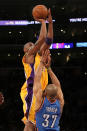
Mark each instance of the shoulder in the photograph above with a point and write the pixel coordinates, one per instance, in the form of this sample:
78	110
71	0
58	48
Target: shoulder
23	59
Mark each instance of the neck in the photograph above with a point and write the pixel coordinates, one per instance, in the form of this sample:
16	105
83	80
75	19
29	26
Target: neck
51	100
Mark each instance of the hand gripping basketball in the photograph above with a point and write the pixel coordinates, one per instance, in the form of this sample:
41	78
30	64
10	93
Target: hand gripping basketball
40	12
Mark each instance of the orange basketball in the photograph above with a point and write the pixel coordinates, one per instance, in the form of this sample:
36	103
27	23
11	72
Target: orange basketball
40	12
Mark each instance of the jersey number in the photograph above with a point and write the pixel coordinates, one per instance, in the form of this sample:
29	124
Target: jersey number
46	121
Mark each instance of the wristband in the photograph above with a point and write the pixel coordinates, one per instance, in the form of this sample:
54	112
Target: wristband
49	41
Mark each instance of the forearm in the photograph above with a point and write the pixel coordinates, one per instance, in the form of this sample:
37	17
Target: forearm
40	40
38	72
49	39
36	48
43	31
50	30
37	78
53	77
55	81
44	47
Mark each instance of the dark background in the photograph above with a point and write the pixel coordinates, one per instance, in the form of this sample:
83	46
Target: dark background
70	65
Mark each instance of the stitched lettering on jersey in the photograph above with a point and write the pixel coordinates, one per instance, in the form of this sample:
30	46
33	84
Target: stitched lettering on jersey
46	120
51	109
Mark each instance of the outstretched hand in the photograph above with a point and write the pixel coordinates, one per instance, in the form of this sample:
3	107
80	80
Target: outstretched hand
49	19
47	65
46	59
44	56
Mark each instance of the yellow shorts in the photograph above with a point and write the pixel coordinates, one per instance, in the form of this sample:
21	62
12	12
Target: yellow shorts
31	116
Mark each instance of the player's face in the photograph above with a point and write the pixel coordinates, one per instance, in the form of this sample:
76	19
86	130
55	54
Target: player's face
51	92
27	47
31	58
52	96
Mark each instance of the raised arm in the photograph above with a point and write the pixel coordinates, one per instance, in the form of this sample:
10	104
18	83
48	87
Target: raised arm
56	82
50	26
43	31
36	47
37	90
49	38
37	85
41	67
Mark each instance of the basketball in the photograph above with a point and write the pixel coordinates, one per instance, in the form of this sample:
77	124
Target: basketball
40	12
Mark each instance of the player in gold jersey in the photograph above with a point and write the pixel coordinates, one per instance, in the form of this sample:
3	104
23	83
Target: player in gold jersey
31	60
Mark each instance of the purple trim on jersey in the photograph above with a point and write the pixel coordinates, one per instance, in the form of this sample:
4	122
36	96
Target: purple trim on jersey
30	81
